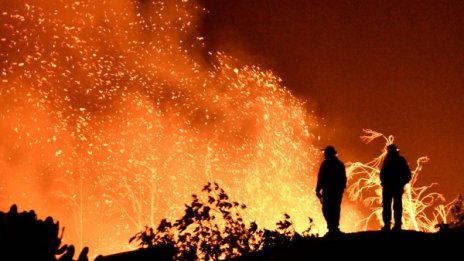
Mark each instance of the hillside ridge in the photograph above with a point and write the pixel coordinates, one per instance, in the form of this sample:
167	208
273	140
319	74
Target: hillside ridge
365	245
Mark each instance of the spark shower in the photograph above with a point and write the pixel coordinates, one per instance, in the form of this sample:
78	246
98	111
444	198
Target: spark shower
114	113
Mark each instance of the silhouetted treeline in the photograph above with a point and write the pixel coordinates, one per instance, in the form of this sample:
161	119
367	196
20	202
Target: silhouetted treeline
25	237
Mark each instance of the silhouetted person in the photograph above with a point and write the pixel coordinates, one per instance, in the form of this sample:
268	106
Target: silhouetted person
331	183
394	175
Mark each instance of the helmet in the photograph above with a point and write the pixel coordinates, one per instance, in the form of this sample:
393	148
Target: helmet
392	148
330	151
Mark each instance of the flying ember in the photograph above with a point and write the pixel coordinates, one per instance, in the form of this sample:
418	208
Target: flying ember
113	113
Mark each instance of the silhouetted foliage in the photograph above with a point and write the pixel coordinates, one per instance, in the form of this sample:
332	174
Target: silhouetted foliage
214	229
284	233
456	214
25	237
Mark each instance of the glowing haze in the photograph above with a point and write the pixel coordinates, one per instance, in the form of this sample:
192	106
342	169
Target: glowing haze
113	114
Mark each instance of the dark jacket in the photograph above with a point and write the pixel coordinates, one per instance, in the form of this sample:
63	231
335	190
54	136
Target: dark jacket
332	176
395	172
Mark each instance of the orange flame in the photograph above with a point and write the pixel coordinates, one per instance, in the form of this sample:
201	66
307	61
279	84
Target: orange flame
109	121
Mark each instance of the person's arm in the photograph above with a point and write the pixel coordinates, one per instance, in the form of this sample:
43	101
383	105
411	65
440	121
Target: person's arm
383	170
319	181
344	176
407	171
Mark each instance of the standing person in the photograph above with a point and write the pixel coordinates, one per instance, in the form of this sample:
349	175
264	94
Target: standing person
331	183
394	175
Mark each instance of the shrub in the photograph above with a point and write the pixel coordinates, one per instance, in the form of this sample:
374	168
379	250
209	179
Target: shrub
25	237
214	229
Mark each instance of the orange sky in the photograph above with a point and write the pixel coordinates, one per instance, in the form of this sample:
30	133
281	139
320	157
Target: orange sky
393	66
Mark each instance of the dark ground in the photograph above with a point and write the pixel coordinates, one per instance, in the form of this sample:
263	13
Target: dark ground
370	245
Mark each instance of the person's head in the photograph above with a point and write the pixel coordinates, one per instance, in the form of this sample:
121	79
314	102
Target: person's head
329	152
392	149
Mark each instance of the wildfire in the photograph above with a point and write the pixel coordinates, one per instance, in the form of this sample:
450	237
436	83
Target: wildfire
110	120
113	114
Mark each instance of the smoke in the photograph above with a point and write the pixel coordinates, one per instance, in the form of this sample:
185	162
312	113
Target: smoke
114	113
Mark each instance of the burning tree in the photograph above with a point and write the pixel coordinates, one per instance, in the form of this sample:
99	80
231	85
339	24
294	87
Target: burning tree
417	200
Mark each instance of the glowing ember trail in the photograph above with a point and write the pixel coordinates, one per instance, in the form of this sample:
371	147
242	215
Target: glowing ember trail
110	121
422	210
